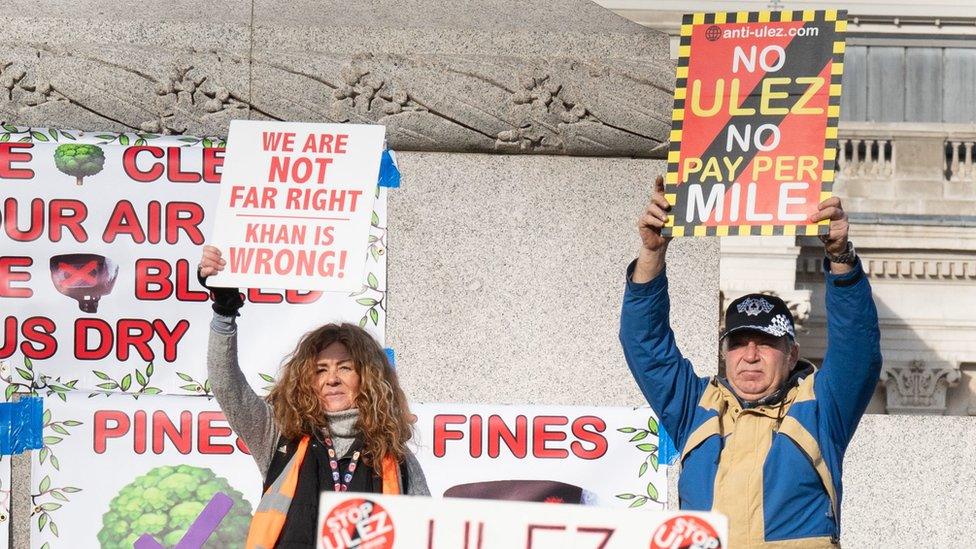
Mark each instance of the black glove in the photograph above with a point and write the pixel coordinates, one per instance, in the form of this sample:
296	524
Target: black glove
227	301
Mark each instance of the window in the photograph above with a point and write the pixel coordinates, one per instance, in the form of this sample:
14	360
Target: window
915	83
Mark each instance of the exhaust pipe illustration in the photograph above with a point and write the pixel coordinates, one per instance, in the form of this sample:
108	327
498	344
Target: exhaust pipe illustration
84	277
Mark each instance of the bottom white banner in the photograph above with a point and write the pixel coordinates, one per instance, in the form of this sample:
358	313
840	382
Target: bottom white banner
114	469
369	521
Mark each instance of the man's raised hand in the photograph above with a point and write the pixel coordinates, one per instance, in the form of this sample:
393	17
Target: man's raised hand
653	218
835	241
650	261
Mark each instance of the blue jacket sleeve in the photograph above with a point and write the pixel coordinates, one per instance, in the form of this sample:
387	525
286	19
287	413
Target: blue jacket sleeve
852	362
666	378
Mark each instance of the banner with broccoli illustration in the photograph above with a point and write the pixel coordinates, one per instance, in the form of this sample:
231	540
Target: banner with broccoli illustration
115	469
101	235
610	457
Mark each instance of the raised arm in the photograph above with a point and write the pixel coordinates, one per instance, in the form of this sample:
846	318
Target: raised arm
666	378
249	415
852	364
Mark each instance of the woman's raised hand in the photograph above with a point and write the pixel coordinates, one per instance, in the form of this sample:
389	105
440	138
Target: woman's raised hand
210	262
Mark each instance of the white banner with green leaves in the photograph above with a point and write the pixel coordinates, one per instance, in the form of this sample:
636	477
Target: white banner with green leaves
101	236
116	467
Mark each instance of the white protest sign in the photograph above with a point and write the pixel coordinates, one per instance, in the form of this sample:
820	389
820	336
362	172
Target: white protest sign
295	204
361	521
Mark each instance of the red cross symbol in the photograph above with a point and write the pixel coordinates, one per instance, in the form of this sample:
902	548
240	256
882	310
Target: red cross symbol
79	276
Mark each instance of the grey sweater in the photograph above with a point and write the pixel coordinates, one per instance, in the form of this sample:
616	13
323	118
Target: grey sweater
251	417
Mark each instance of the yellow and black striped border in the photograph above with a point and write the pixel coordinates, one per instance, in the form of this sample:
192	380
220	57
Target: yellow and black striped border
839	17
833	112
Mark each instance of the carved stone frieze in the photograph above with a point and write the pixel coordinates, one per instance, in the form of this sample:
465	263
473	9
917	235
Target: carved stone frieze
484	104
438	79
96	89
194	92
919	387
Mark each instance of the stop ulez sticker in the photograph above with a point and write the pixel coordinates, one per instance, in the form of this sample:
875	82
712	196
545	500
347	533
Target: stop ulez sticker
357	524
754	128
685	532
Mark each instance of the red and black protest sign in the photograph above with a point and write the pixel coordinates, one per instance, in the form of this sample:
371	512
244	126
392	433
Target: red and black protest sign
754	135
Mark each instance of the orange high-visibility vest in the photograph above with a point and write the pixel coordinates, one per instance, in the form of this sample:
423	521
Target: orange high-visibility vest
269	518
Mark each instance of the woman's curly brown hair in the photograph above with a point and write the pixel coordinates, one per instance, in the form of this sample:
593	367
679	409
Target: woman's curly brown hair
384	418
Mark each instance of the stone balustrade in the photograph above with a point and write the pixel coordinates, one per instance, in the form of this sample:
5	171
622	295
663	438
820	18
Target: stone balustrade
908	169
960	165
859	156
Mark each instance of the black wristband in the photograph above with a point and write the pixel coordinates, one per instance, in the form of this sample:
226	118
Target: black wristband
226	301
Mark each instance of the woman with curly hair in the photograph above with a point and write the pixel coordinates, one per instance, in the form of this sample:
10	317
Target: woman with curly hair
336	420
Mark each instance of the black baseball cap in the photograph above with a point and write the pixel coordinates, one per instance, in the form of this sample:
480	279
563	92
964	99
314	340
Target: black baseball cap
762	313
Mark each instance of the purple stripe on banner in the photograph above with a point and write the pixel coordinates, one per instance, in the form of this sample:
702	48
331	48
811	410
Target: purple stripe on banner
201	529
207	522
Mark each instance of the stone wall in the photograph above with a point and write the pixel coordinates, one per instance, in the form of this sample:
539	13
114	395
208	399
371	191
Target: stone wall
908	483
506	277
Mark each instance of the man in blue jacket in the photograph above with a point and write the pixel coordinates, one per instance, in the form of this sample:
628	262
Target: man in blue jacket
763	445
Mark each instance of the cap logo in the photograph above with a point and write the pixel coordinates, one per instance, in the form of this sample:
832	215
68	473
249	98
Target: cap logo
752	306
780	326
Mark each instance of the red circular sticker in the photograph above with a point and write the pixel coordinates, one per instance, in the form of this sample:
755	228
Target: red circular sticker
357	524
685	532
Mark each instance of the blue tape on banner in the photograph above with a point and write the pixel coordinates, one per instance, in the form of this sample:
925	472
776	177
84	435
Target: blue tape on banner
389	172
391	356
667	454
21	425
